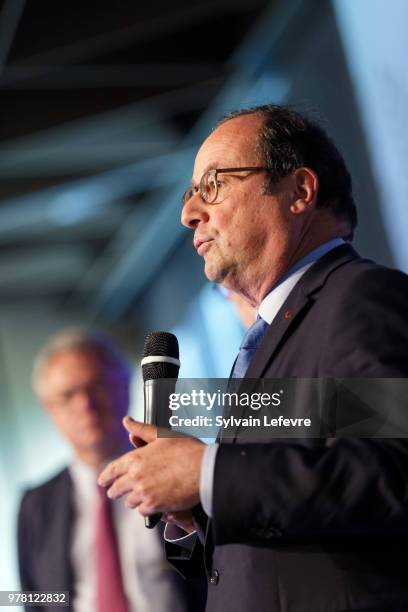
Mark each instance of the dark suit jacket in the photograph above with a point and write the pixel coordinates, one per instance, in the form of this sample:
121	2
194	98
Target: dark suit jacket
44	523
318	525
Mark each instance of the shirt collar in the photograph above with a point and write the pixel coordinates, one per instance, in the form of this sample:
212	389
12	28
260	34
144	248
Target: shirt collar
84	478
273	301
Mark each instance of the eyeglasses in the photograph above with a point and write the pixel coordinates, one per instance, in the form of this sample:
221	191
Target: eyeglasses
211	188
97	392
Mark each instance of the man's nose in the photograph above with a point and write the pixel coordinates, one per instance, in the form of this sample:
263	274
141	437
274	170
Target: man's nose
86	400
194	211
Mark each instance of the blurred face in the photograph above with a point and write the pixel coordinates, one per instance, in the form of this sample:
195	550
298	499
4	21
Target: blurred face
86	400
234	235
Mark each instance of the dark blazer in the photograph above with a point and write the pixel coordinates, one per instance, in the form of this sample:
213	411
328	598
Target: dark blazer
44	520
317	525
44	523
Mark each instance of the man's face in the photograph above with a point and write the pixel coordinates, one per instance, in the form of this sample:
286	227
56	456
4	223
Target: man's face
86	400
246	237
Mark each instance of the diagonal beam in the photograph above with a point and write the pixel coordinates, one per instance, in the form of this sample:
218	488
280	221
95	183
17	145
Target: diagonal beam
172	20
152	245
10	16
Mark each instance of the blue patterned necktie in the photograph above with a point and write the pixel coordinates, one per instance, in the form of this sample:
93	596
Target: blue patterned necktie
248	347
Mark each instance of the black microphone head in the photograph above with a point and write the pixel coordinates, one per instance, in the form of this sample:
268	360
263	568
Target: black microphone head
160	344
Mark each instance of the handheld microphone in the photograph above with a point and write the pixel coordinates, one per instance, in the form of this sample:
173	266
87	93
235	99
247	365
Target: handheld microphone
160	368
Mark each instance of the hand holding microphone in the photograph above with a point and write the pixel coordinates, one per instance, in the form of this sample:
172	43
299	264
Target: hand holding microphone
163	474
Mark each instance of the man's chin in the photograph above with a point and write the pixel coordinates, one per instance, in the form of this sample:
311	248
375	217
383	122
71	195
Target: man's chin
215	274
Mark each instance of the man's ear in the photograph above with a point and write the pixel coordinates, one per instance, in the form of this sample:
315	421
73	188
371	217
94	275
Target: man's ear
305	186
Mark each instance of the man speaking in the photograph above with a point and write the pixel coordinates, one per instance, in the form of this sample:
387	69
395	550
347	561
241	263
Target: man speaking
316	525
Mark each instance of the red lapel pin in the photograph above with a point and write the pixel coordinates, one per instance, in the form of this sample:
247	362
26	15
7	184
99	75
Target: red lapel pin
287	314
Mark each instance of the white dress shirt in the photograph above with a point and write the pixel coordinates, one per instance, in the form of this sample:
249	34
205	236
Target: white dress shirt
147	578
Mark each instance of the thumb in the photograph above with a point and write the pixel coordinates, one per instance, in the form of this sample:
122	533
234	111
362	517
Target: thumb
143	431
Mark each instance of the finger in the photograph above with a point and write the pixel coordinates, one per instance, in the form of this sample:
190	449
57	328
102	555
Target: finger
115	469
146	432
133	500
146	509
120	487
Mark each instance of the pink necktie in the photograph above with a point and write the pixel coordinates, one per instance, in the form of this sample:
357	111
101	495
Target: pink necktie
110	593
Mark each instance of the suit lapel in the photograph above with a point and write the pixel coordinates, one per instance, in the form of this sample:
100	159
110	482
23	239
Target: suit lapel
54	542
62	525
284	324
68	521
279	328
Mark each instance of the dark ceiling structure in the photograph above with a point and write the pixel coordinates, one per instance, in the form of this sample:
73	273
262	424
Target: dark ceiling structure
102	106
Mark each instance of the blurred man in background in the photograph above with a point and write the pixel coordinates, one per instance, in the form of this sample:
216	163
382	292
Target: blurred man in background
70	536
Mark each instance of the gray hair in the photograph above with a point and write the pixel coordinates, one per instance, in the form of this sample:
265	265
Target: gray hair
81	339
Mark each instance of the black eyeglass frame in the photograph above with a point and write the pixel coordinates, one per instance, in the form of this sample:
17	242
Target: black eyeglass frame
191	191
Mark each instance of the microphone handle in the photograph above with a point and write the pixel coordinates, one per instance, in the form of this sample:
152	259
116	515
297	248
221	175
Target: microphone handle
156	412
152	520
